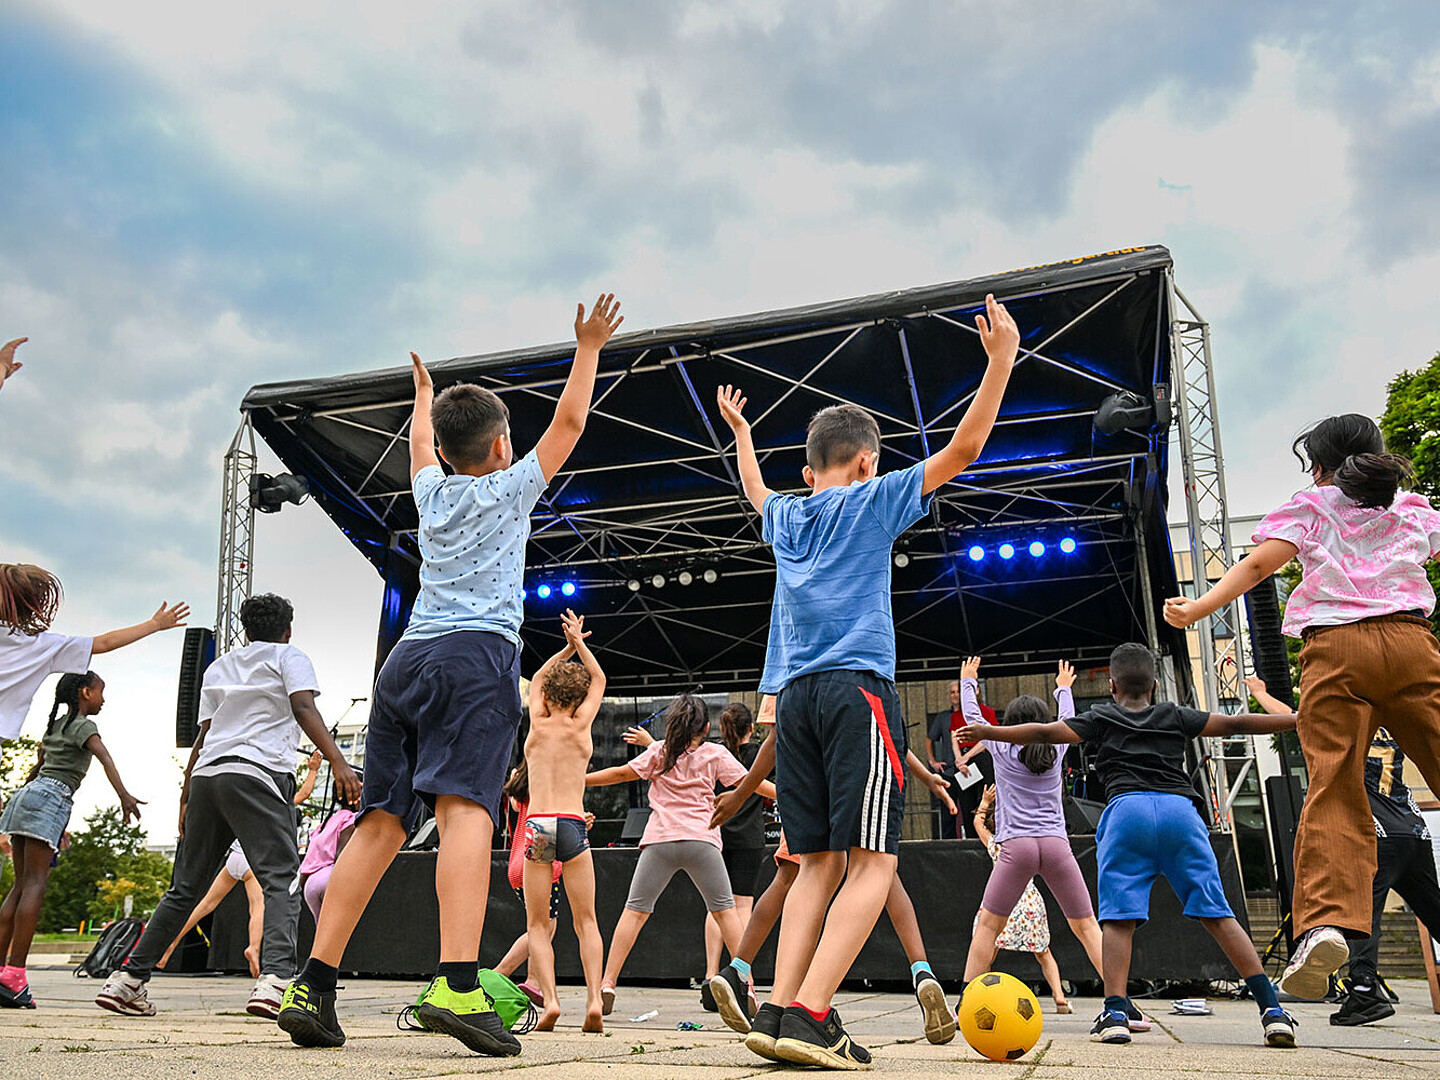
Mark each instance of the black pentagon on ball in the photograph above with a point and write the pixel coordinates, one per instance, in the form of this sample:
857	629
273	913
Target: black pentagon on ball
991	980
1024	1008
1013	1054
984	1019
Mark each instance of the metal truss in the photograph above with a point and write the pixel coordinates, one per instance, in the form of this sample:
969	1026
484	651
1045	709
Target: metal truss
1222	650
237	538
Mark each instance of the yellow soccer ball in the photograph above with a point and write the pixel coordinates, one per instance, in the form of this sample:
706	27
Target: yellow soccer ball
999	1016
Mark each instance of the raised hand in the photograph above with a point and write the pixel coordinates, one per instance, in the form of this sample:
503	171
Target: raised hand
732	404
1181	612
998	333
315	760
574	627
422	377
167	617
594	330
1256	685
637	736
8	364
970	669
1065	677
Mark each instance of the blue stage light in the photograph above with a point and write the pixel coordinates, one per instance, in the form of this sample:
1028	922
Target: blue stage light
524	594
977	553
1007	551
543	592
1068	545
1037	548
568	588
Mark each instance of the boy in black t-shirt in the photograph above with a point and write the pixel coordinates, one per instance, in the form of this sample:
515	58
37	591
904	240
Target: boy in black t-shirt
1152	827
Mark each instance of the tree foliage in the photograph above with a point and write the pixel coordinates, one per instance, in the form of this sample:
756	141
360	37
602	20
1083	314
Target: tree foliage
106	851
1411	426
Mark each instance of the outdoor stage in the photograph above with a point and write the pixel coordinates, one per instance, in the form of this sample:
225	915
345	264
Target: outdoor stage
399	933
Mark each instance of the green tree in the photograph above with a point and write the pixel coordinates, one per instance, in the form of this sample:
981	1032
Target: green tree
1411	426
17	757
106	850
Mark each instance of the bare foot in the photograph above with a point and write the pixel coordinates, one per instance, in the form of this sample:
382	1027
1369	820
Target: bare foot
548	1018
252	954
593	1020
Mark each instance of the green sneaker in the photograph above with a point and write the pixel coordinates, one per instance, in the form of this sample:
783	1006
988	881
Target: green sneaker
308	1016
469	1017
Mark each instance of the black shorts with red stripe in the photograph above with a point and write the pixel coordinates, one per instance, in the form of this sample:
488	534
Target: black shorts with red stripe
840	762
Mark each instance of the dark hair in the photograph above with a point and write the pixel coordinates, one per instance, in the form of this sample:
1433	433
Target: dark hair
1028	709
266	617
467	419
687	718
565	685
736	724
1350	452
67	693
518	786
1132	669
29	597
836	434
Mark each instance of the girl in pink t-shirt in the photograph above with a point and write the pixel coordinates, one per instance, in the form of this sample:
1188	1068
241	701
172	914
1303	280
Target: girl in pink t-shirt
683	771
1362	609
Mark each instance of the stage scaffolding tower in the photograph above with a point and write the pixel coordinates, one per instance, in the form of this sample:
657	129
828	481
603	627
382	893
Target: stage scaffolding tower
237	538
1222	651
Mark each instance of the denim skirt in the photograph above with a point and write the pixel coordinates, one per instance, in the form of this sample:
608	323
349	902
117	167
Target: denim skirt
39	810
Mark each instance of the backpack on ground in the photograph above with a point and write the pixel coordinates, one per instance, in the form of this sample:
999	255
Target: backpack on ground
111	948
512	1005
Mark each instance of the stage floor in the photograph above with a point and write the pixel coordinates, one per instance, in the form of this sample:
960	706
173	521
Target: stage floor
202	1031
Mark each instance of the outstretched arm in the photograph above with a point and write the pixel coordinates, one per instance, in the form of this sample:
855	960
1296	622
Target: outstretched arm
981	812
1262	561
575	635
8	364
732	404
1268	701
729	804
308	784
1248	724
347	784
537	681
422	428
934	781
165	618
129	804
591	334
1001	338
620	774
1056	731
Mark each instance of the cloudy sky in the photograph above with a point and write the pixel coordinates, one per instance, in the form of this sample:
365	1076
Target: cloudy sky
201	197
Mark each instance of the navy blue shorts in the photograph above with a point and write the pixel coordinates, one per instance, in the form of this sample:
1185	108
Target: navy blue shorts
840	762
1144	835
443	722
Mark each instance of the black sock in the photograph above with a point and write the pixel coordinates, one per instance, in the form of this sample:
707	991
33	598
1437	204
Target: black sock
320	976
1118	1004
1263	991
462	977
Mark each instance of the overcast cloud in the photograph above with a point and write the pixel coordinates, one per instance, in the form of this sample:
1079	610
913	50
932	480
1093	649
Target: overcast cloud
199	198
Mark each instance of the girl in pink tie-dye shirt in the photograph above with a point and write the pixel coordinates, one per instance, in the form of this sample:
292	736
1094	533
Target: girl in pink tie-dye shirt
1370	656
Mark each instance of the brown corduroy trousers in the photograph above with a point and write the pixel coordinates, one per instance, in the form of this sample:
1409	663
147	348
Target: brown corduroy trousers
1353	679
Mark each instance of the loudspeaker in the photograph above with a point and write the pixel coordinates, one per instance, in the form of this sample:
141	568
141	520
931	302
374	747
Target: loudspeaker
1267	644
1082	816
196	655
635	819
1282	793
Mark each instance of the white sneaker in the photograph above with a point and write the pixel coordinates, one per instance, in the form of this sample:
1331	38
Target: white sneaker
1320	953
124	993
265	998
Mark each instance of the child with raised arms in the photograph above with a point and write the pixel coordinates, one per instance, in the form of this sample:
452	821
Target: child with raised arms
1152	827
36	816
831	661
1369	657
446	706
564	701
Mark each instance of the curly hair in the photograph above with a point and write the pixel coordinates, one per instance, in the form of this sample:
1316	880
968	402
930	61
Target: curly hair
565	685
29	597
266	617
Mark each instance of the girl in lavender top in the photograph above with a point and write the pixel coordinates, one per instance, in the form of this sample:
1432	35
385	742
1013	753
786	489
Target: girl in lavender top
1030	825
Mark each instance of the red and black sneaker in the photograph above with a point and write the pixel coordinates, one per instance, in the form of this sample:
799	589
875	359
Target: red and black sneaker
806	1041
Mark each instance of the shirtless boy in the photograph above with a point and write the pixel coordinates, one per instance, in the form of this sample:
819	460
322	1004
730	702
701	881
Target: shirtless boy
564	699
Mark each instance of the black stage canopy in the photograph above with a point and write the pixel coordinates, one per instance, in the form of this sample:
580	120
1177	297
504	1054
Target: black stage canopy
651	492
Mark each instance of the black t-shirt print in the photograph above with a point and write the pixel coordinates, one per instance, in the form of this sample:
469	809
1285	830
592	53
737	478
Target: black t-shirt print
1141	751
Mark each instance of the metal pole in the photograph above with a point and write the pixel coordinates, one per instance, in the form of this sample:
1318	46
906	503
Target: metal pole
237	538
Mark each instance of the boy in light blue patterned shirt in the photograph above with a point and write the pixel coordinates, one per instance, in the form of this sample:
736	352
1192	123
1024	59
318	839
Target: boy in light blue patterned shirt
446	706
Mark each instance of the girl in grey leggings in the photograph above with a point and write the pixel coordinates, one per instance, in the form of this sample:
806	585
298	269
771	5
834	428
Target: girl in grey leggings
683	771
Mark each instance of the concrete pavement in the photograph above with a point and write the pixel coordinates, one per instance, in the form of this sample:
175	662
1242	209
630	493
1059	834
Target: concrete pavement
202	1031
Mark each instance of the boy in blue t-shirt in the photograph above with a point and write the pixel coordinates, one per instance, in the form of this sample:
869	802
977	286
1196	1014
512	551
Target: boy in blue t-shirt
446	705
841	745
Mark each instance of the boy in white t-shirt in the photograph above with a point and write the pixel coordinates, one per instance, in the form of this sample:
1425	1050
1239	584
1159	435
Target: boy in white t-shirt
254	703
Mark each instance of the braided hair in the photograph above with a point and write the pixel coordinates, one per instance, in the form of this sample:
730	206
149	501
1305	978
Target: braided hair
67	693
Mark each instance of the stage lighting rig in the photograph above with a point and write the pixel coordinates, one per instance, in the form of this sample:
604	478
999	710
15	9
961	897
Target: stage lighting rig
269	494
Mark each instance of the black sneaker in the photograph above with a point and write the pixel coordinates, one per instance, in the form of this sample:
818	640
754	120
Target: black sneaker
806	1041
467	1015
1362	1007
1111	1026
730	997
707	998
939	1020
308	1016
764	1030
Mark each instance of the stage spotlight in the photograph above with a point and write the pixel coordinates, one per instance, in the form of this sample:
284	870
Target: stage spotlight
977	553
685	577
269	493
1007	551
543	592
524	595
901	560
1037	548
658	581
568	589
633	584
710	577
1068	545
